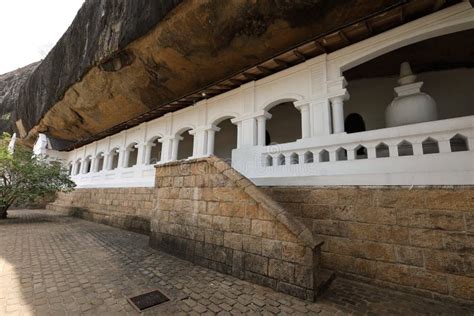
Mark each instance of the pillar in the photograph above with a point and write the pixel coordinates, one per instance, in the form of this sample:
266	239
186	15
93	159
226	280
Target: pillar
239	134
337	105
303	106
261	128
93	164
107	161
174	149
200	142
146	153
125	158
249	132
211	135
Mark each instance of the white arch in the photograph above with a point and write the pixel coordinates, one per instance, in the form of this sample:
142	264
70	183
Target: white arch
274	101
154	137
183	129
217	119
454	19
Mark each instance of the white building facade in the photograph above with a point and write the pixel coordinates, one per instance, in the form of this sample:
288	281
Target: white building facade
289	128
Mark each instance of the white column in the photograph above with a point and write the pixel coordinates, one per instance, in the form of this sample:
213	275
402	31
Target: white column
146	151
249	132
200	141
239	134
262	127
211	136
337	105
93	164
106	161
175	143
261	130
303	106
126	157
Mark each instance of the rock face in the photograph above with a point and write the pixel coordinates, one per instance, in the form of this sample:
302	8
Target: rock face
120	59
10	84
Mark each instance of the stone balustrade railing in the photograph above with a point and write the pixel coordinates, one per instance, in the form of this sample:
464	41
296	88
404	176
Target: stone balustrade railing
431	153
438	152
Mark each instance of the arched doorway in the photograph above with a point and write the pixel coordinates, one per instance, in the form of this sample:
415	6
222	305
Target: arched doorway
185	145
155	151
78	167
87	164
354	123
132	155
113	158
225	139
285	124
99	162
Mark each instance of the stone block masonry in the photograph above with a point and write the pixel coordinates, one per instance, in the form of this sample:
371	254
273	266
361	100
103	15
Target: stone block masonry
126	208
209	214
419	240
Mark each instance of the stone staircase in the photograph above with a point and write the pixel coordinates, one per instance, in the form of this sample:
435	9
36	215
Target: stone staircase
208	213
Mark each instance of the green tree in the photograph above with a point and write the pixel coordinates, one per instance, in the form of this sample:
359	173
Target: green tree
25	178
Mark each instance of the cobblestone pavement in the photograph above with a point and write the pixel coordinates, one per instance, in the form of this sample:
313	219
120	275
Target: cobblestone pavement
56	265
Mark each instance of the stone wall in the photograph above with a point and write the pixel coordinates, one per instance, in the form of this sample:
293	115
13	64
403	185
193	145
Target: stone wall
209	214
127	208
419	240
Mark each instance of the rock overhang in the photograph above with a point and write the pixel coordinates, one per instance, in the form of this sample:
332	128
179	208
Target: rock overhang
116	64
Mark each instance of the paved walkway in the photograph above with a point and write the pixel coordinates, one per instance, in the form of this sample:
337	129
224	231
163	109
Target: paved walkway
57	265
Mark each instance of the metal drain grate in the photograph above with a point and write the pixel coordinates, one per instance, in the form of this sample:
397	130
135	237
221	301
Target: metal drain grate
148	300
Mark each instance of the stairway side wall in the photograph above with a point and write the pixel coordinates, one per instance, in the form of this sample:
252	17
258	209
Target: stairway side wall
205	217
126	208
419	240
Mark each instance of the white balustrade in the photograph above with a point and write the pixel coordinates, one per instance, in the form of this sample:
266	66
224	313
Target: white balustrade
429	153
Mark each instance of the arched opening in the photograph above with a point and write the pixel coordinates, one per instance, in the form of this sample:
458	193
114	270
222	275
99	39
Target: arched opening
99	162
285	124
87	164
268	161
458	143
155	151
281	161
294	159
354	123
78	167
308	157
132	155
114	159
225	139
382	151
360	152
430	146
405	148
185	145
69	169
324	156
435	62
341	154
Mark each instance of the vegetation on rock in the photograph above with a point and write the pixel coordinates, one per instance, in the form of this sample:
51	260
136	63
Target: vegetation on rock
25	177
